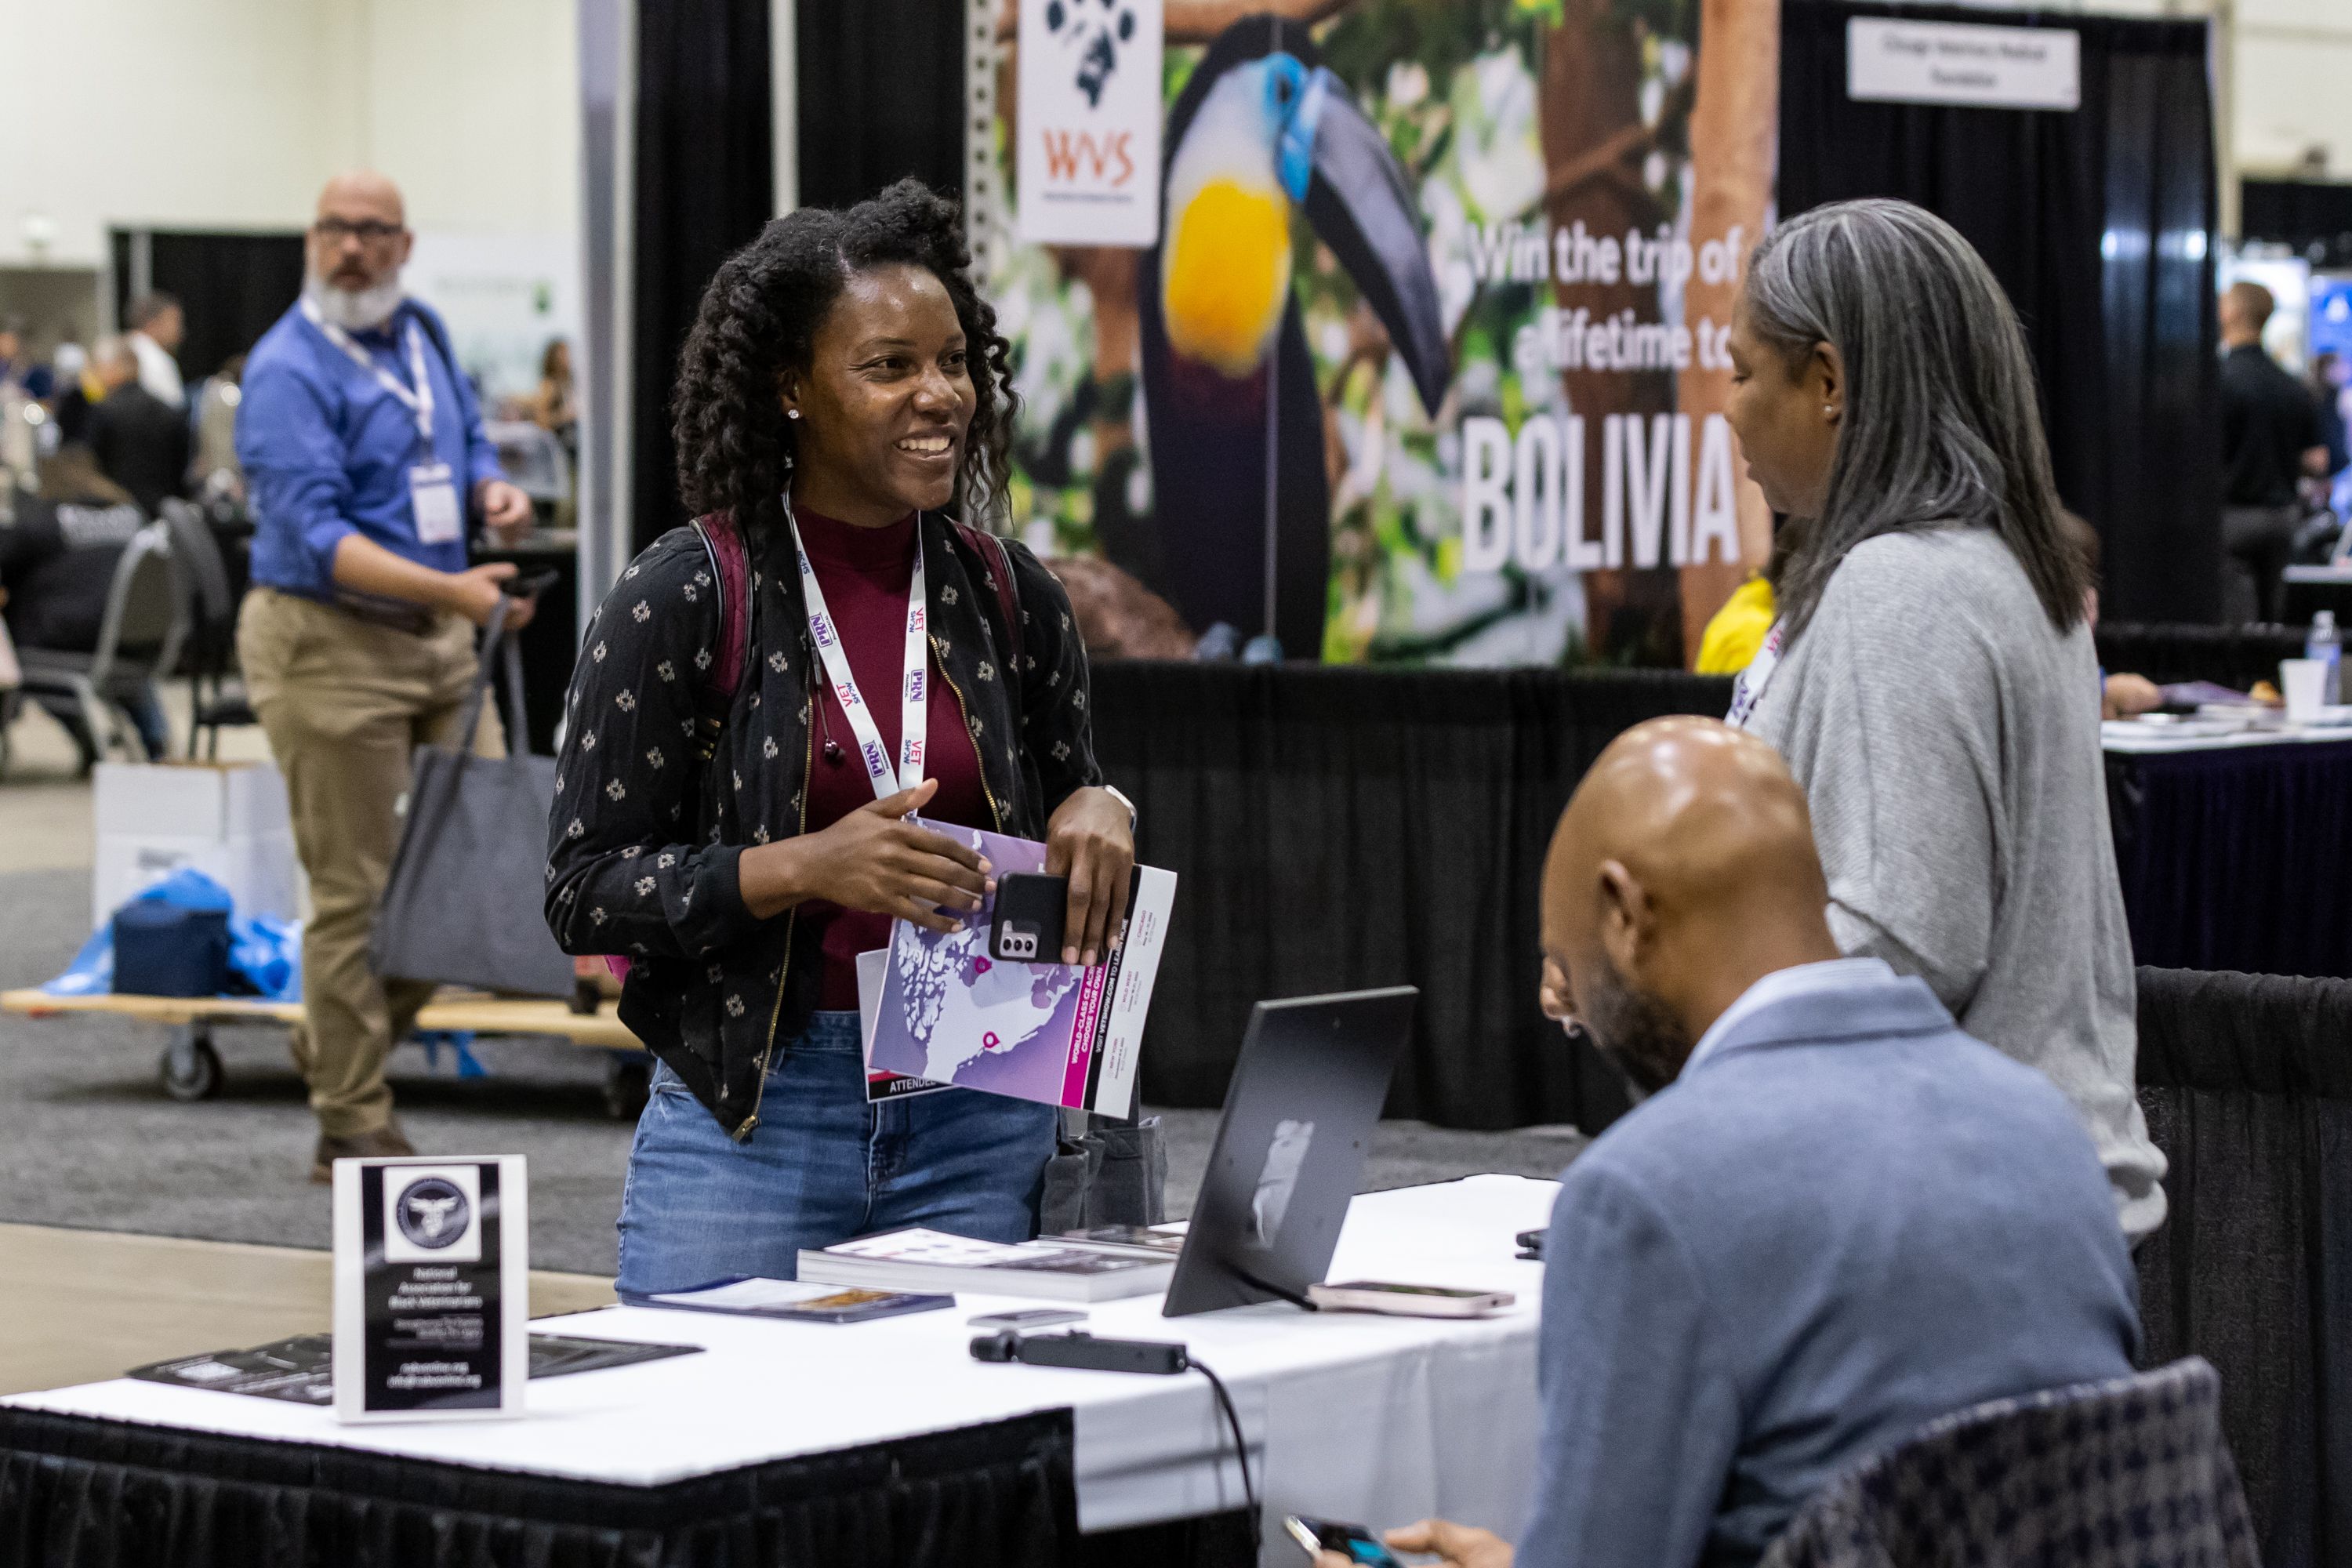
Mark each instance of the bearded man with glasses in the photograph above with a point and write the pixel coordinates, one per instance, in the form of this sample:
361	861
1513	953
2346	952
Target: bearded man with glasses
362	447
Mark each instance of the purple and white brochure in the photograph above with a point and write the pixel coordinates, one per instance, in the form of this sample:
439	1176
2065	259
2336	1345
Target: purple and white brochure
1058	1034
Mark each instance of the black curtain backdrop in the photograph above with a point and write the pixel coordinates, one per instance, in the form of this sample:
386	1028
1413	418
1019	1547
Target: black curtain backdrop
881	94
704	185
2227	655
1335	827
2247	1083
2099	223
2315	216
231	288
881	98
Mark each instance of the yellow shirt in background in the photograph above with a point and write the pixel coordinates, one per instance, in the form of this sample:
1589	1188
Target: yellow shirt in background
1738	629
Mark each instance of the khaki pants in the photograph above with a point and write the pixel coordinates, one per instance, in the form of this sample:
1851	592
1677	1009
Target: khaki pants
345	701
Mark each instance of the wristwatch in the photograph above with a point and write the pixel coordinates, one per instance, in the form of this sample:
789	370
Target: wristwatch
1121	795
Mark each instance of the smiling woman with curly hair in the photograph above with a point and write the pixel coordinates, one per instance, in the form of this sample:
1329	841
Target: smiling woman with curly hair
728	813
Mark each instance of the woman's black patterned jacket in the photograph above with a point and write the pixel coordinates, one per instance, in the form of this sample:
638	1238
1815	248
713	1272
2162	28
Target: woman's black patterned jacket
643	840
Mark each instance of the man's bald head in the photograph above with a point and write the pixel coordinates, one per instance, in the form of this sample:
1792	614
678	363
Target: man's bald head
358	239
363	192
1683	870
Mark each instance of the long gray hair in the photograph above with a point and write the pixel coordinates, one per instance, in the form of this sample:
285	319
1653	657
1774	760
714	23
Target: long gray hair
1941	426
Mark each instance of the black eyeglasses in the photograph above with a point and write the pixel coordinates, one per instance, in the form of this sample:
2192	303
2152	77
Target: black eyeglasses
368	230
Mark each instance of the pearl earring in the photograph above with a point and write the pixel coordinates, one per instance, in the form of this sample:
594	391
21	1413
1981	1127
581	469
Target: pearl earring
1828	408
792	413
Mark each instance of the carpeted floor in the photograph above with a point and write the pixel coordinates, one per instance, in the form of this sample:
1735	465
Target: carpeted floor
89	1138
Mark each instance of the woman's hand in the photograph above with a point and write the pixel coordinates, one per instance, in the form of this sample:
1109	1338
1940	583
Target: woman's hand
872	860
2128	696
1456	1545
1091	842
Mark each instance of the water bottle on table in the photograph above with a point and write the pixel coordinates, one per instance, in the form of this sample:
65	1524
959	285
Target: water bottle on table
2326	643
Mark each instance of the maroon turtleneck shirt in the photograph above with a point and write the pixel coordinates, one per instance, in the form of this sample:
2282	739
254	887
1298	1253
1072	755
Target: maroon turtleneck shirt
864	572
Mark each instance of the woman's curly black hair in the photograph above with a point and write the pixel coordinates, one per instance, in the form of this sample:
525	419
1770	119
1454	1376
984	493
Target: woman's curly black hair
760	318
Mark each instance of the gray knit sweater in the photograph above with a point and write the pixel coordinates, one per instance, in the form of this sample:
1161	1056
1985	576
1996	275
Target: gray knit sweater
1947	740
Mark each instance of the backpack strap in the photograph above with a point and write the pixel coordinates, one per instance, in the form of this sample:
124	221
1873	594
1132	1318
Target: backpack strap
722	542
999	561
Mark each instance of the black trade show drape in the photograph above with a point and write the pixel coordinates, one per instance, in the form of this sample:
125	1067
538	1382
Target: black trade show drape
231	288
2098	222
2312	217
2235	656
1334	827
881	98
77	1491
881	95
704	185
2247	1083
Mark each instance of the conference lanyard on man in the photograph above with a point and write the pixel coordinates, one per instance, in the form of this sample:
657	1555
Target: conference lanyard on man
431	489
914	706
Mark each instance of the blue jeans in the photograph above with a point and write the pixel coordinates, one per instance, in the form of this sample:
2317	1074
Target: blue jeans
821	1166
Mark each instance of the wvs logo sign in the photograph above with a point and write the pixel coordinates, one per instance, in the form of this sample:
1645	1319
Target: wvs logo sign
1092	35
1095	34
1089	122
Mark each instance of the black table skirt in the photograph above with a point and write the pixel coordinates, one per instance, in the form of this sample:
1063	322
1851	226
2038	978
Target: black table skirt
81	1493
2237	859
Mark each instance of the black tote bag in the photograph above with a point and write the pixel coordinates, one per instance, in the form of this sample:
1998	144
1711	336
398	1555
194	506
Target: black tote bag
463	904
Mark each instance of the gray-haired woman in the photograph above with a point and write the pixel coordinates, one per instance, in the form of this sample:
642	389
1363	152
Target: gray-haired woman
1931	681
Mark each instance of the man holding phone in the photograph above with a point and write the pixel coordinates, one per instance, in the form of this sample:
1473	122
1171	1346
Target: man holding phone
362	445
1832	1218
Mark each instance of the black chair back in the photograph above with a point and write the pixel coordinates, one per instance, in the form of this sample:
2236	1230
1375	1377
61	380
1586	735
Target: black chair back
214	631
2124	1474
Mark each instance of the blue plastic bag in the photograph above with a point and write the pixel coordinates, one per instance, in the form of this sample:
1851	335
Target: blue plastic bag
265	956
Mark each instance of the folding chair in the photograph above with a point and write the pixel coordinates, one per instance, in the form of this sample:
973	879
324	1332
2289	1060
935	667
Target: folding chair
216	692
148	610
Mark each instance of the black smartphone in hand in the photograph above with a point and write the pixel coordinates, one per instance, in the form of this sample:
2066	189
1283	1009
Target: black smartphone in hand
1030	907
1352	1542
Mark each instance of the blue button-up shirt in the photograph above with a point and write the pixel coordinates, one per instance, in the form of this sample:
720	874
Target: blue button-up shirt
327	449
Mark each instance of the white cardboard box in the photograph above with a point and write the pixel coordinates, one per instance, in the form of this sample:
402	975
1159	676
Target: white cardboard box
230	822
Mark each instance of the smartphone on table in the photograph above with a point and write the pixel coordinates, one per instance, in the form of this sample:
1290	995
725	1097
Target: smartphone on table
1352	1542
1407	1300
1027	1319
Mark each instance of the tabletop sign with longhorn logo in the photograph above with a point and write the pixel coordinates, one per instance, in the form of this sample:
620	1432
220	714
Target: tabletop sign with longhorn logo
432	1295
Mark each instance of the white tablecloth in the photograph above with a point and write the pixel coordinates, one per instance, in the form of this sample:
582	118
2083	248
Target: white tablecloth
2130	736
1377	1419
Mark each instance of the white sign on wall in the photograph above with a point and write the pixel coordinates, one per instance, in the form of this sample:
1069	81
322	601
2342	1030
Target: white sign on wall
504	298
1089	122
1893	61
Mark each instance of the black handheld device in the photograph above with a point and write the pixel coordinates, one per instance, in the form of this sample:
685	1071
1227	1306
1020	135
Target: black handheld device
1029	917
1352	1542
530	585
1161	1358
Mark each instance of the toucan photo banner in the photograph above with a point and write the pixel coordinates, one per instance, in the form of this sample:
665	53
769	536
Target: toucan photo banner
1425	363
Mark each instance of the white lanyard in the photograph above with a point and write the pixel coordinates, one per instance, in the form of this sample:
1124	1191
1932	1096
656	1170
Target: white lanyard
419	402
914	706
1748	690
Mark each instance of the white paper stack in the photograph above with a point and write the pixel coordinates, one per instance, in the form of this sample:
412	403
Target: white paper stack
931	1261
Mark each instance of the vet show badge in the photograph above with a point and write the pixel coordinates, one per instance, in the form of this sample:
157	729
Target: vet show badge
431	1289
